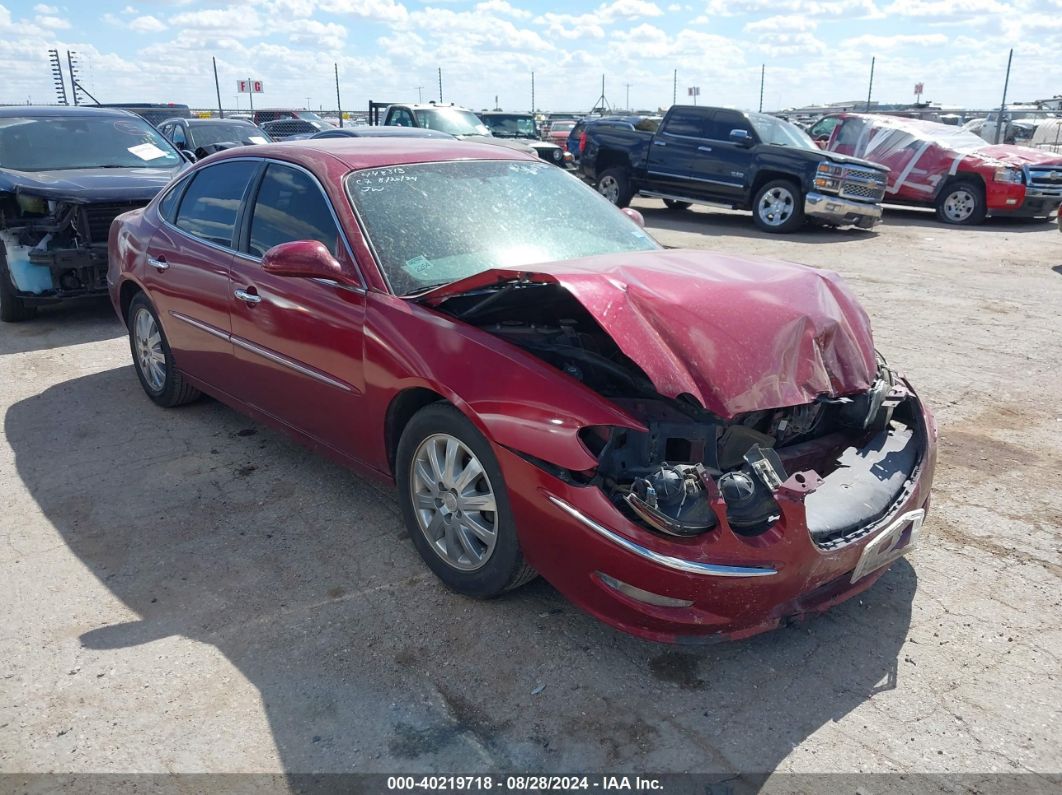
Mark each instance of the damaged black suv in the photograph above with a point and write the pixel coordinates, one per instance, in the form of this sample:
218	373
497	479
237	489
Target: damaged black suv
65	174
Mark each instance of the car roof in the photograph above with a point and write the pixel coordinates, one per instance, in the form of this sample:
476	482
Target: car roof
59	111
198	122
381	132
329	155
506	113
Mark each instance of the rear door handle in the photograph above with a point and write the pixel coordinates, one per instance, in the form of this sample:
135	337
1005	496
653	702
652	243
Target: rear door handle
158	264
704	149
248	297
659	143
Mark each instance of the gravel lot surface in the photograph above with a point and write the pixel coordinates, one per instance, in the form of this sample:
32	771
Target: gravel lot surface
186	591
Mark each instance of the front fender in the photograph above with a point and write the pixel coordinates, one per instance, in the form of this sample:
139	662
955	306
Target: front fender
514	399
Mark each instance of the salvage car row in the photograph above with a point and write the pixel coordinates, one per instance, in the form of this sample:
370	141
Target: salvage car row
550	391
856	162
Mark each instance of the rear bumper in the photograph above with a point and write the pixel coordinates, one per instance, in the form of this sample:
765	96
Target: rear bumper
717	586
842	212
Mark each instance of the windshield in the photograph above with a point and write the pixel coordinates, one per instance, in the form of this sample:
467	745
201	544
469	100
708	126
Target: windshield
57	143
307	114
773	130
206	134
436	223
512	126
451	120
561	126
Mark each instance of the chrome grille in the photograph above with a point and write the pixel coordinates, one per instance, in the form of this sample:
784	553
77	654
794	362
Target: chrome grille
98	218
1044	180
863	184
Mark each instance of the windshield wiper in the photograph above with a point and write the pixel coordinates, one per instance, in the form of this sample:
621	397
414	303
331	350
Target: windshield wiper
421	290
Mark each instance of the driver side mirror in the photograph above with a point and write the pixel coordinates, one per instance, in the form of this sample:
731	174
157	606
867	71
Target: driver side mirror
307	258
740	137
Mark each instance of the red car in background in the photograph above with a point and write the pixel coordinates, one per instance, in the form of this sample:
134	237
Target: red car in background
550	390
950	169
558	132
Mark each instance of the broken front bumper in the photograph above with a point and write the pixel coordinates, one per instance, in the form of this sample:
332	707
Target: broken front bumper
720	585
841	212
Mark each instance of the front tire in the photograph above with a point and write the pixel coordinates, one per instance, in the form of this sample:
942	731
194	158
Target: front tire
615	185
779	207
962	203
455	504
12	308
152	358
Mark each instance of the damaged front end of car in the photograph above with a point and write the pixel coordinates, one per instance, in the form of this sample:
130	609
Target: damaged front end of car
704	481
56	248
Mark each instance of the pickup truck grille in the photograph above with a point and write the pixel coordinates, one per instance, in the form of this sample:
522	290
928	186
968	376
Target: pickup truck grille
1044	180
98	217
862	184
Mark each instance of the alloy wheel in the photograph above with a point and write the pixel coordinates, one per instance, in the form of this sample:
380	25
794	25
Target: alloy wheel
147	341
454	502
776	206
609	188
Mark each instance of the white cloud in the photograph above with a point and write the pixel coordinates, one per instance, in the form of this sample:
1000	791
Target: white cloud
41	8
53	23
783	23
147	24
504	8
383	10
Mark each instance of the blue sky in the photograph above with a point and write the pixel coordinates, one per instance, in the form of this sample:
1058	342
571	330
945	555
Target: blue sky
814	50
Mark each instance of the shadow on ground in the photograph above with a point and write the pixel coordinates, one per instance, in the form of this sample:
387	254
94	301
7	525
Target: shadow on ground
709	221
95	320
210	528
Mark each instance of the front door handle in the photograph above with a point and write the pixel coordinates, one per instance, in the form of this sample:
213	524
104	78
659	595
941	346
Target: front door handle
158	264
659	143
248	297
704	149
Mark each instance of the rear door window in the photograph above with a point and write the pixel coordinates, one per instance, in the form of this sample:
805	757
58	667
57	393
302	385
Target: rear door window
212	202
688	122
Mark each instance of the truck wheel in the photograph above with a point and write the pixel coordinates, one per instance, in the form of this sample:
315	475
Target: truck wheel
615	185
671	204
962	202
12	308
779	207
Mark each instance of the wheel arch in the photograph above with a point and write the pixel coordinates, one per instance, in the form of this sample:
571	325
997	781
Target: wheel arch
961	176
768	175
128	290
612	158
400	411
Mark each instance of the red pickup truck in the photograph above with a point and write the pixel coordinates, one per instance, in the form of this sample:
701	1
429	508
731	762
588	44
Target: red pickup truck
955	171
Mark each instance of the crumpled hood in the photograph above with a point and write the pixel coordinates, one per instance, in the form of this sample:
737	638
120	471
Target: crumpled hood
737	334
85	185
1018	156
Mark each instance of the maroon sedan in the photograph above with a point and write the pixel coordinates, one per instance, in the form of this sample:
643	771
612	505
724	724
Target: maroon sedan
687	445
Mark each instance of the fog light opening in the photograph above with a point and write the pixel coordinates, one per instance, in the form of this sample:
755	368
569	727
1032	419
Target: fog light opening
648	597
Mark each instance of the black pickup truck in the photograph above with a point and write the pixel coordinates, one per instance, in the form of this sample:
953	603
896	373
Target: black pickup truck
747	161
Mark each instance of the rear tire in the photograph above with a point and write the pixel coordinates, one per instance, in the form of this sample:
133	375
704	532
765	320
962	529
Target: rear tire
12	308
962	203
152	358
473	550
676	206
615	185
779	207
